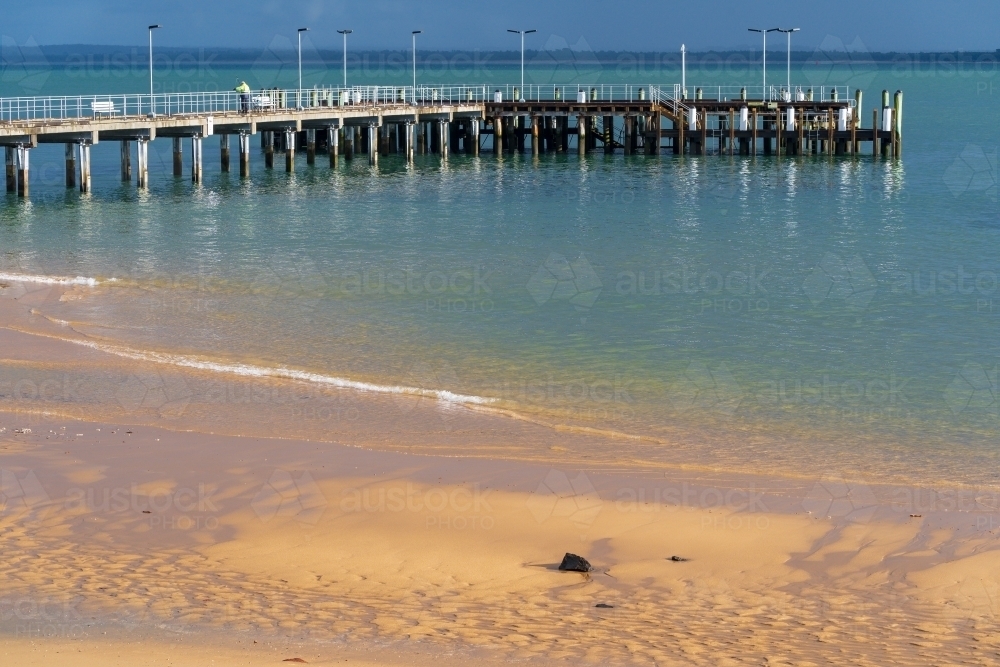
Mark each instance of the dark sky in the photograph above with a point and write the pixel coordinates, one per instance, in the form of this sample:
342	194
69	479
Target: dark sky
873	25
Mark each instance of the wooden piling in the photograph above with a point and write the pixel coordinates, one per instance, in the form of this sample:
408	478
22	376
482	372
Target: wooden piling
681	124
875	137
474	136
23	171
581	136
70	165
628	140
268	137
224	153
703	148
497	135
178	157
126	161
753	133
11	169
897	124
535	135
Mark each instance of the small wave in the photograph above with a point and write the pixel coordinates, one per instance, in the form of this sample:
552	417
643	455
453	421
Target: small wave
281	372
52	280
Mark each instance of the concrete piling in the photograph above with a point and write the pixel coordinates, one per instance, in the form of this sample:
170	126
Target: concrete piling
224	152
84	167
70	165
474	136
332	135
196	159
289	150
142	160
443	127
372	145
244	155
178	157
23	171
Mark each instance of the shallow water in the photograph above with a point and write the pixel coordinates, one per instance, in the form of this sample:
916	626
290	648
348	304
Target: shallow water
800	314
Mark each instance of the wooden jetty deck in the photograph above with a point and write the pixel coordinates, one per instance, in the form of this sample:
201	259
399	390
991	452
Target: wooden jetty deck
382	120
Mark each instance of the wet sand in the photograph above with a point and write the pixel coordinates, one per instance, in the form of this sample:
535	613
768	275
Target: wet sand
137	528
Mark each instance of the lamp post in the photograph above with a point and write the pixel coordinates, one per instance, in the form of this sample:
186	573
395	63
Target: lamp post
683	72
788	32
345	33
414	35
298	94
764	33
152	106
522	33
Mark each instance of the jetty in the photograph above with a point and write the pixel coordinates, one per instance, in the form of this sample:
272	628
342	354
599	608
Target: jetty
376	121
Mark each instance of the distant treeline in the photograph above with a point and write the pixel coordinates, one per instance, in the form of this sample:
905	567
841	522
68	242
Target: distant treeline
70	53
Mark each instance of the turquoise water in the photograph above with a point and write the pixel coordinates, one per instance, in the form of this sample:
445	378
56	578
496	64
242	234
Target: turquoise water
790	314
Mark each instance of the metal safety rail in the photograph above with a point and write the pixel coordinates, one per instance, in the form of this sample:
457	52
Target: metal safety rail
769	94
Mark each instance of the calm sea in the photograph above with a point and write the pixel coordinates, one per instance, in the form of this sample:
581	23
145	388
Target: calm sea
785	314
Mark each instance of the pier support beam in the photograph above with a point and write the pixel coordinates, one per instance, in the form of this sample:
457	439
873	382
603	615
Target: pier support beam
267	136
310	147
244	155
289	151
178	157
536	135
70	165
629	135
609	135
408	140
84	167
142	163
497	135
224	152
581	137
126	161
23	172
196	159
332	145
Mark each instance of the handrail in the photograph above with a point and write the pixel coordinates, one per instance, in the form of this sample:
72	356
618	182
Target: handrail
273	100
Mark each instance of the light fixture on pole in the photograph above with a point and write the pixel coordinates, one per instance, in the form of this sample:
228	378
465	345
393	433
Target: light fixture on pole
298	94
683	72
345	33
788	32
414	34
152	106
764	32
522	33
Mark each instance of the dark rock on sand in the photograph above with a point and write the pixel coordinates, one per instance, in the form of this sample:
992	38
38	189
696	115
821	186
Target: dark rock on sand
601	605
679	559
574	563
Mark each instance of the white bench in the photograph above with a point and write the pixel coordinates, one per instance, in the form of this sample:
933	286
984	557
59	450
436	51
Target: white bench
107	108
262	102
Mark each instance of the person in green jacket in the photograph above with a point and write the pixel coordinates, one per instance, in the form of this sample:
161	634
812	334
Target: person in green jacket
244	90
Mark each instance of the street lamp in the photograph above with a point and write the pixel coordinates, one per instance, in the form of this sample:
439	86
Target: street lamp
522	33
152	107
788	32
764	33
683	72
415	33
345	33
298	95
